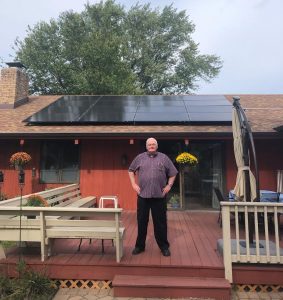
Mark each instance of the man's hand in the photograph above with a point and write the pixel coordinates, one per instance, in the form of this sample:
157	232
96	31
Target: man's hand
166	189
134	185
136	188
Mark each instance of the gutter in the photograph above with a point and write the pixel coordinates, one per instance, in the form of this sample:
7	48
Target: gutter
168	135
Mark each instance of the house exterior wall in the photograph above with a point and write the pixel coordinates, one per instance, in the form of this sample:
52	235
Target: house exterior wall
11	187
269	160
104	172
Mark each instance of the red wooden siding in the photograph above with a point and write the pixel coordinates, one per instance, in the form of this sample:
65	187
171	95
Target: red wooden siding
11	187
269	159
231	169
102	172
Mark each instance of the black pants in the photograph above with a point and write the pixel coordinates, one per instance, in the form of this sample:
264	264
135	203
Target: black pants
158	208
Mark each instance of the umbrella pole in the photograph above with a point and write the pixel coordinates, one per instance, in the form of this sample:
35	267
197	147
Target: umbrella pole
248	199
247	184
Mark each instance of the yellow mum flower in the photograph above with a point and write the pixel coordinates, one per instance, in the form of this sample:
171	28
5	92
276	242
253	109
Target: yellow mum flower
186	158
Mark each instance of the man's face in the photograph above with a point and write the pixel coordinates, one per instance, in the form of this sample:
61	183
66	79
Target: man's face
151	145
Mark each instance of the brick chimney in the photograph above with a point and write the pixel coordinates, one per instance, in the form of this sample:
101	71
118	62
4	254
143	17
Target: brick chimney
13	86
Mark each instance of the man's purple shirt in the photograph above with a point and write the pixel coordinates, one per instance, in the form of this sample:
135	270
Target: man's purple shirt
153	171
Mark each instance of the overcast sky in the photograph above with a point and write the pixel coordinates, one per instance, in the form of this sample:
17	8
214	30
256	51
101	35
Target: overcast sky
246	34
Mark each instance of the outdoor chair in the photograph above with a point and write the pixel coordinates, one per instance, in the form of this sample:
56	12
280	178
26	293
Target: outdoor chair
102	204
220	198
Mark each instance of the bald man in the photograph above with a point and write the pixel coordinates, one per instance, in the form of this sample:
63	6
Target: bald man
155	176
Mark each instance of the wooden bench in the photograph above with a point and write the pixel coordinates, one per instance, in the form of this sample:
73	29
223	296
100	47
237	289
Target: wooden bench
65	196
105	224
60	196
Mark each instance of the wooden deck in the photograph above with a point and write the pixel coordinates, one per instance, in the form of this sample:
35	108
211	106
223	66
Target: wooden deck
193	238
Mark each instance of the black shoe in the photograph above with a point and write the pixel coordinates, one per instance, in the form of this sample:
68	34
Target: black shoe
137	251
165	252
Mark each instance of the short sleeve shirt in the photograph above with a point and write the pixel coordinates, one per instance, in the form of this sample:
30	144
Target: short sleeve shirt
153	171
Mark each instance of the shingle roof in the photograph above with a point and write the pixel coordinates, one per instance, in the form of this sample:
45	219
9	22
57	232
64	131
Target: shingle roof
264	112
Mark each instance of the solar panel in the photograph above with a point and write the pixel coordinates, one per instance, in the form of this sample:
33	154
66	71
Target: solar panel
209	109
161	117
72	110
210	117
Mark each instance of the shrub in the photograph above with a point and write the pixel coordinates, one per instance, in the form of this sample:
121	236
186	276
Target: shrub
29	286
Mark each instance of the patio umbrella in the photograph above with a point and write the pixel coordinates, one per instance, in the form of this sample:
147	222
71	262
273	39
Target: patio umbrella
243	167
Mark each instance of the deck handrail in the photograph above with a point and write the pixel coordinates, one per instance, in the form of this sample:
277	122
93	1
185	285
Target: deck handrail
256	254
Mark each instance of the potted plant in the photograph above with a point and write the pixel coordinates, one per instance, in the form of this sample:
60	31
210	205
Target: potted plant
174	201
19	159
3	196
186	159
35	201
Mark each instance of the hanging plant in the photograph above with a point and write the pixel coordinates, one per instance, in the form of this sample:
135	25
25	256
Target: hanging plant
19	159
186	158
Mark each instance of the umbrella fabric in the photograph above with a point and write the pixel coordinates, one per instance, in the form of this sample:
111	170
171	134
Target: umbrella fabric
239	188
280	181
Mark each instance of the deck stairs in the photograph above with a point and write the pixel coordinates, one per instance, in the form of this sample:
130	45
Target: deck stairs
208	283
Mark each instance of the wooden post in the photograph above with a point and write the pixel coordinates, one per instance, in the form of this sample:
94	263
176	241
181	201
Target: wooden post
43	236
226	232
117	221
182	186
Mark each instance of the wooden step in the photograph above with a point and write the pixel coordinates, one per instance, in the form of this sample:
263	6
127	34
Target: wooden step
171	287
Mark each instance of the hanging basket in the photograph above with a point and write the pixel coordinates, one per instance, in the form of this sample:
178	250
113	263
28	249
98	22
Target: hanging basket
19	159
186	159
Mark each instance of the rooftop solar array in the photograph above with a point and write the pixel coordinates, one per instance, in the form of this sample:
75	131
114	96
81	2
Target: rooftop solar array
72	110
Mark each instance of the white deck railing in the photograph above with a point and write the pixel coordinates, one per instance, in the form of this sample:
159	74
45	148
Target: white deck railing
266	241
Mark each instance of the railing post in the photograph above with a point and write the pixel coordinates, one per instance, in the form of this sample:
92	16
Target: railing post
43	236
227	243
117	221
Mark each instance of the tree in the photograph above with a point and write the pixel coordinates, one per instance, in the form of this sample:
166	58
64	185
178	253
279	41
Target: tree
107	49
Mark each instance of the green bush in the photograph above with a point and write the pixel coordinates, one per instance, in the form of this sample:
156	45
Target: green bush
30	285
6	287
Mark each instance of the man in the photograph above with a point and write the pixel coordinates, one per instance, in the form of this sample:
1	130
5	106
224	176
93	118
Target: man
156	174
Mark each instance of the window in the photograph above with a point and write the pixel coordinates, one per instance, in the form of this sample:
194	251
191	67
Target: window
59	162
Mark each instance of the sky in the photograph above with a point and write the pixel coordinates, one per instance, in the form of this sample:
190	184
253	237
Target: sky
246	34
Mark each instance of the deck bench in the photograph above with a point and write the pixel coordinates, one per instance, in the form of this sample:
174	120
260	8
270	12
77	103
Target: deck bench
66	196
104	224
54	197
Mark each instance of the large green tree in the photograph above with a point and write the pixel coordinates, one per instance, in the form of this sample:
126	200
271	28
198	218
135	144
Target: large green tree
107	49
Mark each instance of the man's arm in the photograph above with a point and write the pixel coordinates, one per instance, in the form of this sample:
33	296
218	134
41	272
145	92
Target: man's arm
171	180
133	182
170	183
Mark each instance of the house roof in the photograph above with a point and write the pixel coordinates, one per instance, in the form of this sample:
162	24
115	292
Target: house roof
264	112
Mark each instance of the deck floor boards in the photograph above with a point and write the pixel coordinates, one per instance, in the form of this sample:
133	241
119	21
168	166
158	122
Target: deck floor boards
192	235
